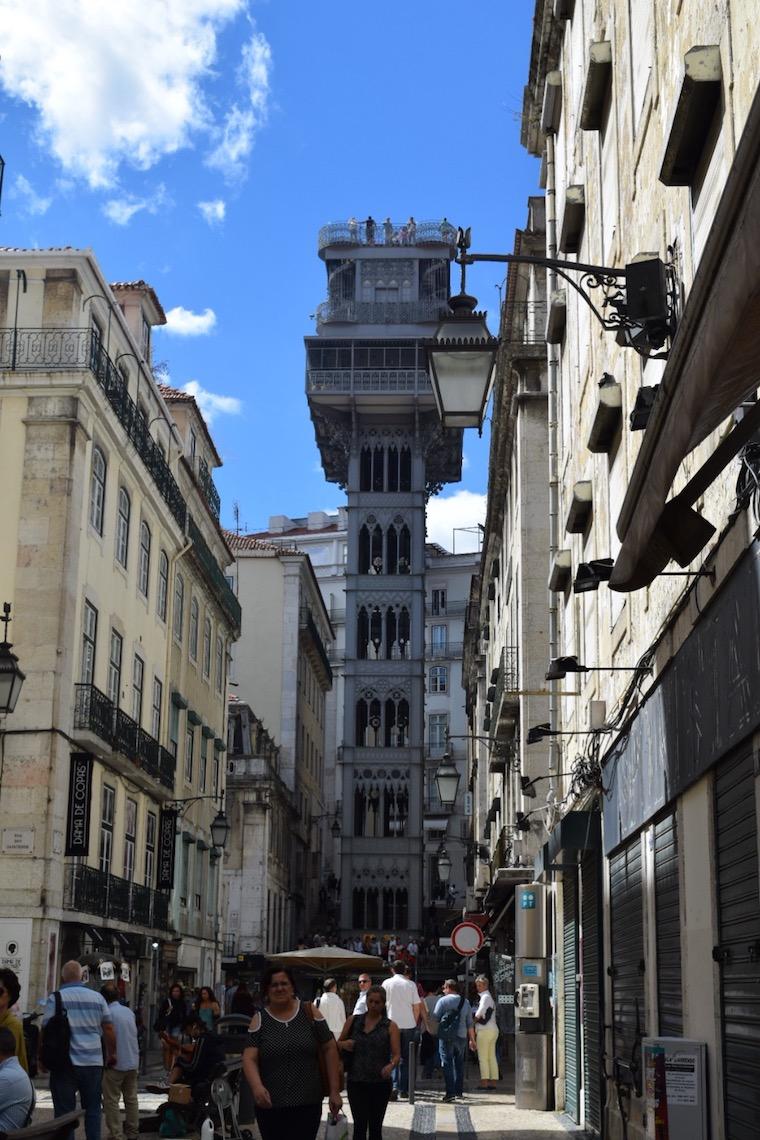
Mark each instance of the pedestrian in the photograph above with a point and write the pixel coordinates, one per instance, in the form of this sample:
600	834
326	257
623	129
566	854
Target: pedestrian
207	1007
454	1016
90	1026
120	1078
169	1021
370	1044
486	1034
353	230
429	1043
205	1055
331	1007
16	1092
411	231
243	1003
365	981
281	1062
448	232
388	231
405	1008
369	230
10	989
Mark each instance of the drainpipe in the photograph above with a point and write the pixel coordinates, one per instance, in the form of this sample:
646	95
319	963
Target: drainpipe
552	351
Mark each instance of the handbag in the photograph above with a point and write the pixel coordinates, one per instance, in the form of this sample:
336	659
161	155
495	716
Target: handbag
336	1127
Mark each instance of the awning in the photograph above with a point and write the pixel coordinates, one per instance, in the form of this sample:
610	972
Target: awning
576	832
503	885
712	368
128	943
97	936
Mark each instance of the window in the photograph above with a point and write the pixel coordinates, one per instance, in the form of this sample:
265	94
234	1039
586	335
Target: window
163	585
207	647
219	664
439	637
143	570
215	788
138	677
438	724
122	527
89	636
130	833
193	443
184	873
145	339
203	776
105	854
438	606
439	679
150	847
193	637
97	489
174	730
198	893
179	606
114	667
189	747
155	718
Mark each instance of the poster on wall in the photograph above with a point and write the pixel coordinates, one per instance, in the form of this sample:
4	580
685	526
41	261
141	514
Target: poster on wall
16	954
107	972
78	820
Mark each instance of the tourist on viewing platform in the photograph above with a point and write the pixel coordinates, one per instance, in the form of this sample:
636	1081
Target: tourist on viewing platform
369	230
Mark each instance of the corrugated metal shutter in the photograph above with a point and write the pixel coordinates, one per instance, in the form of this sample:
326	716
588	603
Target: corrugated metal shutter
739	949
570	995
592	990
627	967
668	927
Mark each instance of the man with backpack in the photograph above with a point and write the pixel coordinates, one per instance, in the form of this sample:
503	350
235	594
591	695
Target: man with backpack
75	1024
455	1025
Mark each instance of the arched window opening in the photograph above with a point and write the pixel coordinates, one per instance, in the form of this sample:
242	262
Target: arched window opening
358	908
376	630
376	551
404	550
123	512
373	907
362	634
405	471
378	469
393	468
403	631
97	489
364	549
390	633
392	550
365	469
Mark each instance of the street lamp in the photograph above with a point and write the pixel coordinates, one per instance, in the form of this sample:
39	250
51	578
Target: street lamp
443	864
559	667
447	781
11	676
220	829
462	359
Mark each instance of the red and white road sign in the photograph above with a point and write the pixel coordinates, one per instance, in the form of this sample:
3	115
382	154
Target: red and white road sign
466	938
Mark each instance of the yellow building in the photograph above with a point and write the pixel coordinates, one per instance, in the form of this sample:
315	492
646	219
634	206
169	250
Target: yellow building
122	620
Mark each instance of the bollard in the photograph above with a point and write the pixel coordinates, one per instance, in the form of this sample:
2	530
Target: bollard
412	1069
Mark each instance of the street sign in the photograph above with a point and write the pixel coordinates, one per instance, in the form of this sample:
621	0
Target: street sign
466	938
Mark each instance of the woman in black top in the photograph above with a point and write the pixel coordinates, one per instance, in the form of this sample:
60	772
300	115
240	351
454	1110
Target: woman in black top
371	1045
281	1062
169	1021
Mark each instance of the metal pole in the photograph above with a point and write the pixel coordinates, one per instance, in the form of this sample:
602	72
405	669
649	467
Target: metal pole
466	1060
412	1069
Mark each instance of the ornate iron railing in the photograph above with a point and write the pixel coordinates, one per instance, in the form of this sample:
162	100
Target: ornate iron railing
89	890
508	680
95	712
456	608
368	380
524	322
381	312
42	350
307	622
395	234
206	482
214	572
452	649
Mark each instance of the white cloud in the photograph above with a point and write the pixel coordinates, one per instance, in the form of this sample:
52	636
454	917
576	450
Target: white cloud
241	122
184	322
213	211
120	211
445	515
212	404
112	85
31	203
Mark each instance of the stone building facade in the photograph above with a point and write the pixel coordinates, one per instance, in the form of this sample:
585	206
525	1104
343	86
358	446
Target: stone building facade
103	517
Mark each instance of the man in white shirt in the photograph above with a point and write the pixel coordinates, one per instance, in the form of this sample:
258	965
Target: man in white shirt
403	1006
331	1007
365	981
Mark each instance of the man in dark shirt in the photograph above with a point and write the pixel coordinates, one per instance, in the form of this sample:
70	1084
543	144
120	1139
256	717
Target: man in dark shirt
207	1053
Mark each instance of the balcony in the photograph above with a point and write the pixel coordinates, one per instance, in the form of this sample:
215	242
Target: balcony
309	626
455	608
95	713
368	381
88	890
214	574
506	700
452	650
355	234
381	312
208	488
52	350
524	323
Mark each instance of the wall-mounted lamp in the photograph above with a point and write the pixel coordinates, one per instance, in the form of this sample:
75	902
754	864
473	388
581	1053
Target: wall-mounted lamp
559	667
11	676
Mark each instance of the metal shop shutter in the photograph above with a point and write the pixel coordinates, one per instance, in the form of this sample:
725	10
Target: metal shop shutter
570	995
628	964
739	949
668	927
592	990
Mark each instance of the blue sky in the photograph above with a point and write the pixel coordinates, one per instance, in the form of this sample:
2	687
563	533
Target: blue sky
201	149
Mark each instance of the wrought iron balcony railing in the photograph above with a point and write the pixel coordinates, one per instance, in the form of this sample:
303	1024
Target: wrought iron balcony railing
508	680
49	350
524	323
215	574
89	890
381	312
452	650
95	712
360	381
308	624
397	234
454	608
207	486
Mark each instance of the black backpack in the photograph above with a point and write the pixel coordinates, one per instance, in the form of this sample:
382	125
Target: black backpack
56	1039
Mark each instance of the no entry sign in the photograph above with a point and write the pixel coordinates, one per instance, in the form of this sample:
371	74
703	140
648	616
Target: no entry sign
466	938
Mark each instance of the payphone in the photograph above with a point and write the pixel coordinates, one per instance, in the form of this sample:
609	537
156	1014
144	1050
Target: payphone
532	1007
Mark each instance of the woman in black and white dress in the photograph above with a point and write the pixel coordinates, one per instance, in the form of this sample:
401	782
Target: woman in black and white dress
371	1044
281	1061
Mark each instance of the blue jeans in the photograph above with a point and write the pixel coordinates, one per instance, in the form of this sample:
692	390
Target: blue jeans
87	1080
452	1063
400	1074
